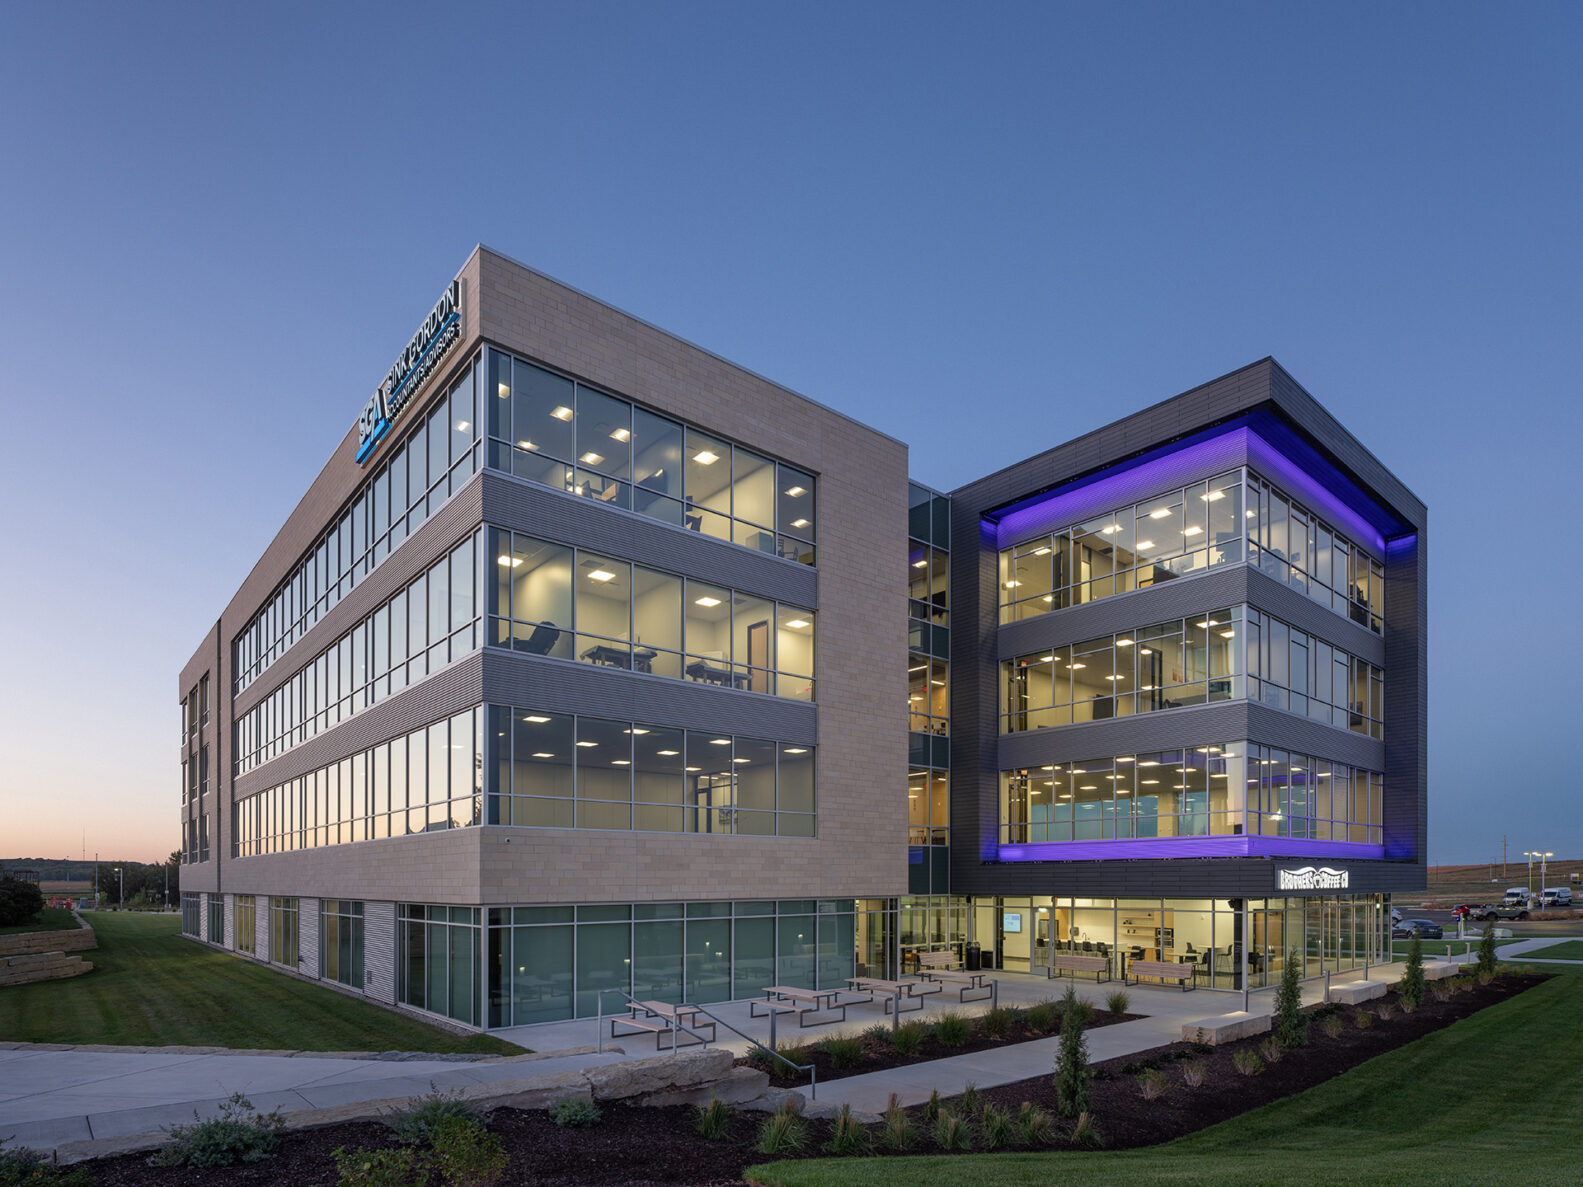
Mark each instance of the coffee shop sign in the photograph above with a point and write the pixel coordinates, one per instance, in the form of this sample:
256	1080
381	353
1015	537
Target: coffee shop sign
1309	878
440	331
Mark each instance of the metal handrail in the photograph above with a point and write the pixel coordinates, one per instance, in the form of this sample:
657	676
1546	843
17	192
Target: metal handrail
677	1024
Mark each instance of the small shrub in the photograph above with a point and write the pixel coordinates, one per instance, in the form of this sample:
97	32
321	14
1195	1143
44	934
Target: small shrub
1486	961
997	1022
952	1029
712	1119
1193	1073
1405	1006
1247	1062
1035	1126
951	1131
1440	991
1362	1019
844	1052
400	1166
1331	1024
575	1112
21	1167
239	1134
1085	1134
1151	1084
416	1126
1073	1076
1073	1006
468	1155
1291	1027
783	1132
1118	1002
1041	1018
908	1038
760	1058
1199	1044
1386	1011
931	1107
996	1126
879	1033
1271	1050
848	1137
897	1131
1411	988
970	1105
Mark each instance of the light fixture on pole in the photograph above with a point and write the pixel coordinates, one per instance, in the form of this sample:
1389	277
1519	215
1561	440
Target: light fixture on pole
1530	854
120	901
1543	857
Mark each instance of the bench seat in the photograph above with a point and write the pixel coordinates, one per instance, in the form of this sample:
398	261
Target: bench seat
1067	963
1166	970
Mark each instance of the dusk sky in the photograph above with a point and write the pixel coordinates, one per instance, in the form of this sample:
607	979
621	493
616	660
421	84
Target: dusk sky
961	224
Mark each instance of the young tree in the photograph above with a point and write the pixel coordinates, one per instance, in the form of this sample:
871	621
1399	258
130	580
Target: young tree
1291	1028
1412	986
1072	1073
1486	962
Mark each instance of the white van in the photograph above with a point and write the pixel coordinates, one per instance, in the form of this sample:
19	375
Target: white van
1555	896
1515	895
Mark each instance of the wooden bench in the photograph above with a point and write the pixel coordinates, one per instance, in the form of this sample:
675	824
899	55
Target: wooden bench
937	966
1166	970
1064	962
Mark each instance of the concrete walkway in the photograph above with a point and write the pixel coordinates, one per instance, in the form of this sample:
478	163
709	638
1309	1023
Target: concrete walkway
51	1097
1513	949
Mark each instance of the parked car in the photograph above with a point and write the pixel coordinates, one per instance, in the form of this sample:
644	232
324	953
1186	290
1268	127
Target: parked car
1396	916
1503	910
1466	910
1426	929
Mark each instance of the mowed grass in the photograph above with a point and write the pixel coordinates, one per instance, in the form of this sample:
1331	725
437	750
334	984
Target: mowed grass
1486	1100
49	919
1566	950
150	987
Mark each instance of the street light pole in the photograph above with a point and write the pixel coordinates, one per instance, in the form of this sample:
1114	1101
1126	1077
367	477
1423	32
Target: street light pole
121	896
1530	855
1543	857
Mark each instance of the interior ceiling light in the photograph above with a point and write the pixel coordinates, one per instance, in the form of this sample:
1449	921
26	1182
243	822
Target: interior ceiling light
635	731
1213	495
601	575
1076	666
704	458
707	601
621	434
536	719
1123	642
620	762
592	459
1160	514
503	390
1142	544
920	564
694	768
1228	634
1041	552
561	412
462	426
1150	782
588	745
919	668
795	491
542	754
796	750
1193	531
513	561
719	741
526	445
799	523
798	623
1110	529
1049	597
669	753
1013	584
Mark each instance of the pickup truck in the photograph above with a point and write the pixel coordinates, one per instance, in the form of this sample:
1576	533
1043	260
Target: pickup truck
1502	910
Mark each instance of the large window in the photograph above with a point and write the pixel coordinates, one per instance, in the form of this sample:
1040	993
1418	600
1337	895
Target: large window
569	603
1302	674
556	770
341	942
1222	790
283	931
246	923
575	438
424	782
216	934
438	960
1231	518
928	695
437	457
191	914
430	623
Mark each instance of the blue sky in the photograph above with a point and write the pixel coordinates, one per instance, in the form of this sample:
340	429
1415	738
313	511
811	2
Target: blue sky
961	224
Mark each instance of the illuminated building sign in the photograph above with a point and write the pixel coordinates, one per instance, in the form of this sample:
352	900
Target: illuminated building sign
440	331
1309	878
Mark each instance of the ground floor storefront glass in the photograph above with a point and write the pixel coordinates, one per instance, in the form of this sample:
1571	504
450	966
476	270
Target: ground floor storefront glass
545	964
1229	942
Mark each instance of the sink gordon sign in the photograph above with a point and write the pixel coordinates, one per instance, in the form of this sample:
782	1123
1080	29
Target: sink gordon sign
440	331
1309	878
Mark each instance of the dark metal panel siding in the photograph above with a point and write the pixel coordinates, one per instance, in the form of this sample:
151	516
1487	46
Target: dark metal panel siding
440	533
538	682
555	515
1224	877
1298	610
438	695
1407	698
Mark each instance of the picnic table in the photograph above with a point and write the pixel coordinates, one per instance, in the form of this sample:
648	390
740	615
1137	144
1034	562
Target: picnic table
793	999
661	1019
894	992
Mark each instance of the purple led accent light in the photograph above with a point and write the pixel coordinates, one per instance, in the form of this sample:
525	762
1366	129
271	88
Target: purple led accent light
1314	485
1238	846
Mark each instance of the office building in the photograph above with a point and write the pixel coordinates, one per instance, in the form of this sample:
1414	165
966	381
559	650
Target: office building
580	667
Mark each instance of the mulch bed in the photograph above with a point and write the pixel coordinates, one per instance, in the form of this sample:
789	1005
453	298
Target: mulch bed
879	1055
632	1147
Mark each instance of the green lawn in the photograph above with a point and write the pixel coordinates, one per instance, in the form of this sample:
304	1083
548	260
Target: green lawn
49	919
1565	950
151	987
1487	1100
